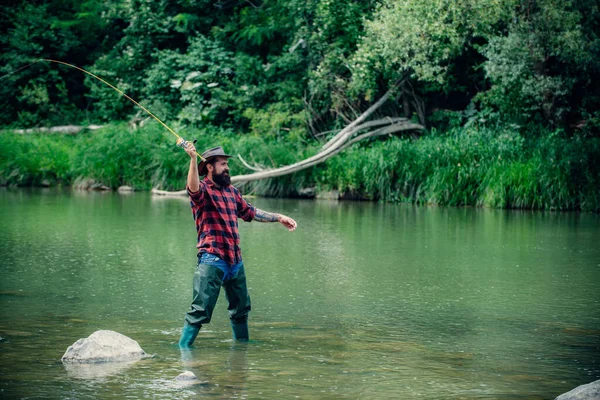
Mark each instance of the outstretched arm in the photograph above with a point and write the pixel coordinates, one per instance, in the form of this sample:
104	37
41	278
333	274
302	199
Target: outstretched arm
193	182
264	216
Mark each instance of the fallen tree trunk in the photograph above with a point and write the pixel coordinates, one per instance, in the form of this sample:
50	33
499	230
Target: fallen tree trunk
346	137
169	193
324	154
66	129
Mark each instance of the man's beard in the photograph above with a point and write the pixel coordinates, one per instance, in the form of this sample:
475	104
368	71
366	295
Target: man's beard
222	179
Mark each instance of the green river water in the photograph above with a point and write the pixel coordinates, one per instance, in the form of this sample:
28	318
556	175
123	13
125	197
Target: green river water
362	301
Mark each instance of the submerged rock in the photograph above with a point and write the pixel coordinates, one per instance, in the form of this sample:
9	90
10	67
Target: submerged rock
103	346
591	391
186	376
331	195
89	184
187	379
308	192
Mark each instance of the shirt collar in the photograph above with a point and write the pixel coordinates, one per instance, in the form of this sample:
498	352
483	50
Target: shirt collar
208	181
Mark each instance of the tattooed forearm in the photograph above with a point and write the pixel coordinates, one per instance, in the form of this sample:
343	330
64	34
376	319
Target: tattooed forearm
263	216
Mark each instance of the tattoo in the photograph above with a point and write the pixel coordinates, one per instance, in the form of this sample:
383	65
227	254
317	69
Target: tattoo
263	216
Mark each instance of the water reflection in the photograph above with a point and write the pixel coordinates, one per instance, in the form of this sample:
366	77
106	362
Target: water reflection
227	374
97	370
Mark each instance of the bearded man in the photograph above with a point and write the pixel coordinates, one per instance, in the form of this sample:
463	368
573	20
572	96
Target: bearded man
216	207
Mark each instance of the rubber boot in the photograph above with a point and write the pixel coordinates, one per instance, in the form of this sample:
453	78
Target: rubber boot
240	330
188	335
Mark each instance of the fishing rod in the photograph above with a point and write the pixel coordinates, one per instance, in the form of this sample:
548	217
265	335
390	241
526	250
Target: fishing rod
181	142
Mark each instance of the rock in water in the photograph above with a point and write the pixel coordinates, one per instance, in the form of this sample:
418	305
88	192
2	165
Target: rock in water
103	346
591	391
186	376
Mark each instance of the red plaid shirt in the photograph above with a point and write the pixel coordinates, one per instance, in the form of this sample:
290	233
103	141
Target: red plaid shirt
216	211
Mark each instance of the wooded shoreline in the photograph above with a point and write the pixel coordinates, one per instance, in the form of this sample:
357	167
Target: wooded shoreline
483	103
462	167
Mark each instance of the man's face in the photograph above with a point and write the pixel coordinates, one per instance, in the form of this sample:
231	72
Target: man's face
220	171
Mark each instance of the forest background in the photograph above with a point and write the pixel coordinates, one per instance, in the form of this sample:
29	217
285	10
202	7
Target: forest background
505	89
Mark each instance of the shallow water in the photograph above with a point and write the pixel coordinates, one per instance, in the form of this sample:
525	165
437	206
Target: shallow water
363	300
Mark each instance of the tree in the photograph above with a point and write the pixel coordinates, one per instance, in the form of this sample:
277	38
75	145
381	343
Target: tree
428	41
343	139
542	70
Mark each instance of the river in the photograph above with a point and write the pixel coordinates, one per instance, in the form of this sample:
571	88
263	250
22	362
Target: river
363	300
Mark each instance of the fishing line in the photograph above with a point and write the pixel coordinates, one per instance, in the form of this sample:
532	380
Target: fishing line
180	141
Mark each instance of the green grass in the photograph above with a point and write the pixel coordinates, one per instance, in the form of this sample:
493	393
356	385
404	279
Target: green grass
496	168
490	168
35	160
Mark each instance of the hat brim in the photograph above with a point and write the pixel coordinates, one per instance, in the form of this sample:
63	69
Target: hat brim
202	170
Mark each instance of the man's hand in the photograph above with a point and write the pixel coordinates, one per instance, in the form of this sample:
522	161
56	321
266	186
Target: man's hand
191	150
289	223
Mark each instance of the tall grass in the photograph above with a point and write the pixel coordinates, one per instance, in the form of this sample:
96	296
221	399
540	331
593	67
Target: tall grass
469	167
144	158
35	160
465	167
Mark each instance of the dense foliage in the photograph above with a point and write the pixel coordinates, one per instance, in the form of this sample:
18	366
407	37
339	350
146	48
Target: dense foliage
477	167
290	72
300	67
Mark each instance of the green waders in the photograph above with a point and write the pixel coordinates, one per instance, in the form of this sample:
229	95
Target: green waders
208	280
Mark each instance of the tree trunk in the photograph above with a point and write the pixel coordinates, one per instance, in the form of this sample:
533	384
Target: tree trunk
66	129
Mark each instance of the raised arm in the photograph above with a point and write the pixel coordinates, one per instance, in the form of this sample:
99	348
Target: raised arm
264	216
193	181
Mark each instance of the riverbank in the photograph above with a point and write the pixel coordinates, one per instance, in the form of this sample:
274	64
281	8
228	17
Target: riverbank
497	168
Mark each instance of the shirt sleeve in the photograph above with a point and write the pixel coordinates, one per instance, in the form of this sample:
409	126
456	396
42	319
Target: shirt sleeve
245	210
197	198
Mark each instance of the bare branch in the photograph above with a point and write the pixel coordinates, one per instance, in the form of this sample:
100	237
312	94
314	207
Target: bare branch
324	154
255	168
252	4
404	126
417	102
369	124
342	135
300	42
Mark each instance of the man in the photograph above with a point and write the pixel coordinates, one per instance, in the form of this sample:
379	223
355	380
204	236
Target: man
216	206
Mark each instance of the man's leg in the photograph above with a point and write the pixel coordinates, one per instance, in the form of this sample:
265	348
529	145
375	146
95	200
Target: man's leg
207	284
236	292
